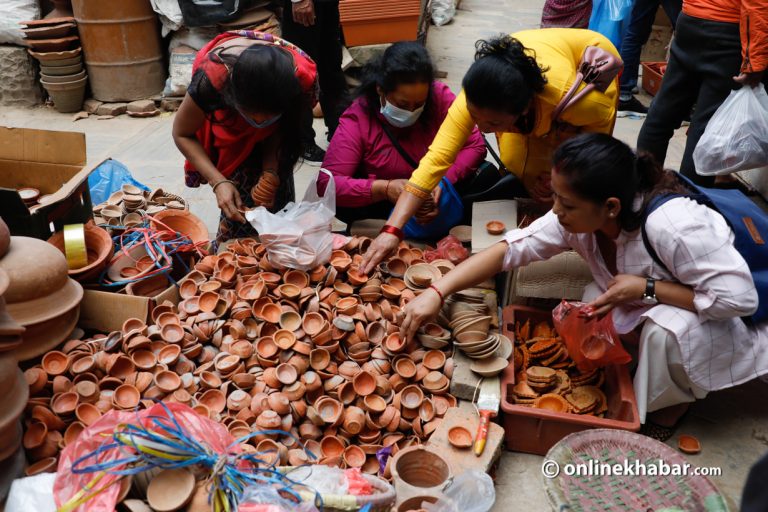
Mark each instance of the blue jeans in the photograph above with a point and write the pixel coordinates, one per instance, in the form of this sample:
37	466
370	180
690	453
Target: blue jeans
640	26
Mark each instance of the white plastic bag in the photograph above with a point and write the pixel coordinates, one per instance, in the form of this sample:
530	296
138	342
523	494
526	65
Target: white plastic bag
32	493
299	236
443	11
736	138
471	491
11	13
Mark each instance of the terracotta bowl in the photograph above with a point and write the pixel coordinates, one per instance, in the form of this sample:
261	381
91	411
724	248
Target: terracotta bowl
181	221
495	227
99	247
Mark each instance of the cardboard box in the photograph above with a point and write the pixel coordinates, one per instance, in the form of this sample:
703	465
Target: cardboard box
107	311
54	163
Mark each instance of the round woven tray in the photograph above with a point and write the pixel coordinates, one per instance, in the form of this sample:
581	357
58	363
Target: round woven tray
578	491
382	500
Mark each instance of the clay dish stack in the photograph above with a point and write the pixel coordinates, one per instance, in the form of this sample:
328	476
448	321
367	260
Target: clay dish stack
263	193
40	295
130	206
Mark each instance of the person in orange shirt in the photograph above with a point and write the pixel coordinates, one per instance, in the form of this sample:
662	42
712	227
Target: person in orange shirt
718	45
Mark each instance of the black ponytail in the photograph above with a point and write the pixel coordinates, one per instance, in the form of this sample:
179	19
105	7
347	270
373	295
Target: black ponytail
505	76
598	166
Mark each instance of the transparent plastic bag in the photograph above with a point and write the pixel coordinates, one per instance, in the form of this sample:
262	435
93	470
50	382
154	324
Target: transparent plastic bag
443	11
736	137
592	342
471	491
611	18
265	498
299	236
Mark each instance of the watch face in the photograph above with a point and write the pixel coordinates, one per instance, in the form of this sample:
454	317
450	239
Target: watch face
651	301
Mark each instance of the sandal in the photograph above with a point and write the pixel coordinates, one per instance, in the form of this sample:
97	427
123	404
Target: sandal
656	431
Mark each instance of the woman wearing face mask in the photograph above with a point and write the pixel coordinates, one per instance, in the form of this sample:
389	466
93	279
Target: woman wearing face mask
691	337
238	122
398	99
511	89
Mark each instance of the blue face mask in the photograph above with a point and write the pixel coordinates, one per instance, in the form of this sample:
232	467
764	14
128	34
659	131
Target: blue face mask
263	124
400	117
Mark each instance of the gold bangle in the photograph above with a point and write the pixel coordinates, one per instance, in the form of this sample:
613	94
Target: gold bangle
417	191
213	187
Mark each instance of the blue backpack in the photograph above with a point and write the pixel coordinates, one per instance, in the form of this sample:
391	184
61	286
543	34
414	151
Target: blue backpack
750	228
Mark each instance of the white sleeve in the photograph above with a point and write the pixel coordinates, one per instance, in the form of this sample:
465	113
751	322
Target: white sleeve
696	245
541	240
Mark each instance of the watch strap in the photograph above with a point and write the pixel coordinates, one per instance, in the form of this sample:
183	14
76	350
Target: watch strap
650	289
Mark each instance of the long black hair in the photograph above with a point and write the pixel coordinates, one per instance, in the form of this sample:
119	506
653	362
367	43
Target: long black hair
404	62
262	79
598	166
504	77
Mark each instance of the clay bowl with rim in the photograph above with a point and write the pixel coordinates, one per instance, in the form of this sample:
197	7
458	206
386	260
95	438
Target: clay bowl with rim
364	383
688	444
460	437
65	403
171	489
167	381
126	397
286	374
143	359
55	363
495	227
354	456
405	367
214	400
88	414
489	367
551	402
99	249
411	397
434	359
313	323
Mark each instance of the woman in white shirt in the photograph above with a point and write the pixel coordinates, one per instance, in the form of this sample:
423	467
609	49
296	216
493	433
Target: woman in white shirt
692	339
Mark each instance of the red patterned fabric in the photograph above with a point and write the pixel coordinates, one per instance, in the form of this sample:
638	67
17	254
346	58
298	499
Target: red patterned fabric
566	14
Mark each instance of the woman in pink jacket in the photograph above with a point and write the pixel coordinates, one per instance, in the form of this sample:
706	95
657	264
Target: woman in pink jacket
398	100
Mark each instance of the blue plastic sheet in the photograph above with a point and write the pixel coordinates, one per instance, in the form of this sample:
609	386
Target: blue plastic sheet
108	178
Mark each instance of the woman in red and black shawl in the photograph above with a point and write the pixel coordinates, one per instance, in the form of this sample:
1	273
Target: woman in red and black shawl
240	119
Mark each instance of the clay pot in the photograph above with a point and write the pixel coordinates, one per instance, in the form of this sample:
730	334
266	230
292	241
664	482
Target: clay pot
167	381
88	414
354	420
181	221
171	489
286	374
319	359
65	403
364	383
99	248
411	397
331	446
460	437
126	397
214	400
55	363
418	467
354	456
330	410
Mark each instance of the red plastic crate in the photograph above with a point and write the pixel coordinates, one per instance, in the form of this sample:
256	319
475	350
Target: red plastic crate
533	430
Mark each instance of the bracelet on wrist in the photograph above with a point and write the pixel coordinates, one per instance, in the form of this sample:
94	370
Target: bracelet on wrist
215	185
393	230
416	191
439	293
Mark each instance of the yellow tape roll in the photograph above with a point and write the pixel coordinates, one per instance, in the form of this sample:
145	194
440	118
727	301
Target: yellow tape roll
74	246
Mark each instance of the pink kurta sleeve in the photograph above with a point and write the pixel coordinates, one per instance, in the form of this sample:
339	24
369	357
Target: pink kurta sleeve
473	153
345	156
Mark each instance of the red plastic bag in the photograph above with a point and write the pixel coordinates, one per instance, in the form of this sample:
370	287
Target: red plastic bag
69	484
449	248
592	342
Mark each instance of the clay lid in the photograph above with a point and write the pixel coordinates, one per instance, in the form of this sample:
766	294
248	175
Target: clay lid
42	292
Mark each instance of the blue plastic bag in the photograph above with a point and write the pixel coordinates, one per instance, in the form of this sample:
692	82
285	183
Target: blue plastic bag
611	18
451	213
108	178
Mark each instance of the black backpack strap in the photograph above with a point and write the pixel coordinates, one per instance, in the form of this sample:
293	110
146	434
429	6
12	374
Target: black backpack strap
502	167
409	160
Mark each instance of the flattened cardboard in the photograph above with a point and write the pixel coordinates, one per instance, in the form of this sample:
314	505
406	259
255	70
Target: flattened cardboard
107	311
53	162
486	211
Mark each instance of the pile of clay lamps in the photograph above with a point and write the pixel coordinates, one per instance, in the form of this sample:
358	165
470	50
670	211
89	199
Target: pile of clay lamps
130	205
317	354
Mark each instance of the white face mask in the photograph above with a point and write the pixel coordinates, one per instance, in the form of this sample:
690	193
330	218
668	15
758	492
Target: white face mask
399	117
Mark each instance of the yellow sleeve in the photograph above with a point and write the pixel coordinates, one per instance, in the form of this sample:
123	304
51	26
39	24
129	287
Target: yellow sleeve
596	112
450	139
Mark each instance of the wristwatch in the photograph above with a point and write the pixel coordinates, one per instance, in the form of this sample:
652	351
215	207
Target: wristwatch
649	297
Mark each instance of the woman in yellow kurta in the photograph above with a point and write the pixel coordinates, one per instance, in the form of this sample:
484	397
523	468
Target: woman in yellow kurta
511	89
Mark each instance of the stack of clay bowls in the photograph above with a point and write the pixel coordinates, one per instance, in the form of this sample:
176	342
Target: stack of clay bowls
317	354
263	193
99	248
56	45
129	206
40	295
471	331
